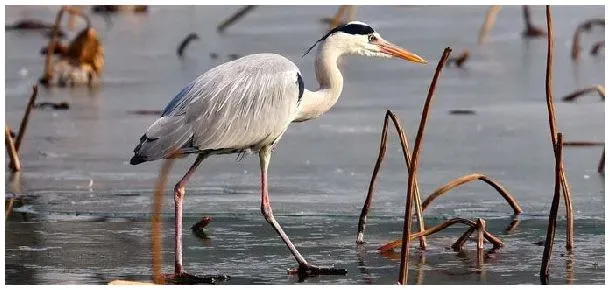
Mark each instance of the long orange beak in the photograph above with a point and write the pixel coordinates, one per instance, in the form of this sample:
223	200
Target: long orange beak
397	51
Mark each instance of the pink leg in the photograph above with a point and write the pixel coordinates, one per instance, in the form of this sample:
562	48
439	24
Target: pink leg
178	198
304	266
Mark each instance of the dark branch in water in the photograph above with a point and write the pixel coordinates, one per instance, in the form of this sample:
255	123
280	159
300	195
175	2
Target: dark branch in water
231	20
185	42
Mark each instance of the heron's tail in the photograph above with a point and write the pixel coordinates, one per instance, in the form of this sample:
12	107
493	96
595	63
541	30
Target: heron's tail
166	136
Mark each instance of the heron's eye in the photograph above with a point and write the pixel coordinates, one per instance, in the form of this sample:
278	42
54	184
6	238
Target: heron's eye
372	37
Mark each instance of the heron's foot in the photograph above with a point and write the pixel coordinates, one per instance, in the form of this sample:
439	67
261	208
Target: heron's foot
308	270
184	278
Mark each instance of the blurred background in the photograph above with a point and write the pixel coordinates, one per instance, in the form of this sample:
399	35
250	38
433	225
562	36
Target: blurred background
83	213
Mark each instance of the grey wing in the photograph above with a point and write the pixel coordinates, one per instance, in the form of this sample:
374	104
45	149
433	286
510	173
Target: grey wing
238	105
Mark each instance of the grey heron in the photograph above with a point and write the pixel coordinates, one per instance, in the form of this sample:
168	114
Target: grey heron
246	105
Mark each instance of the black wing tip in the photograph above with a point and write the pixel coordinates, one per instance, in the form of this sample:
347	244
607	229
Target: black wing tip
136	159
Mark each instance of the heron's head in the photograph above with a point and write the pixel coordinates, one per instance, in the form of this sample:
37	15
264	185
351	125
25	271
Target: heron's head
359	38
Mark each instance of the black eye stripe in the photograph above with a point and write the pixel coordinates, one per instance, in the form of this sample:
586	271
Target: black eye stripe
351	29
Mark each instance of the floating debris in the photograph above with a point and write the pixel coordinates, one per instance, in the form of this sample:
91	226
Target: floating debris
462	112
52	106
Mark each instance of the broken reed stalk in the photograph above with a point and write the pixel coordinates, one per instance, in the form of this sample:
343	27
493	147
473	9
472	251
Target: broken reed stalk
231	20
48	69
459	243
468	178
156	221
24	122
553	129
26	117
550	232
490	18
583	143
497	243
407	157
601	91
530	29
602	163
406	231
480	241
12	153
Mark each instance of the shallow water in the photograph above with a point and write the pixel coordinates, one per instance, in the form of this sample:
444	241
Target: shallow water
74	233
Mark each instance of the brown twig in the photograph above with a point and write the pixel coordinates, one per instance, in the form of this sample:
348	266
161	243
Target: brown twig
185	42
407	157
48	70
497	243
583	143
239	14
24	124
468	178
596	47
602	163
26	118
601	91
553	129
550	233
404	259
586	26
156	221
459	243
12	153
531	31
490	18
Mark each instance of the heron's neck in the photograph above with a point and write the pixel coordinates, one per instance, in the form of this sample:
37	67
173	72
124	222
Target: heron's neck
313	104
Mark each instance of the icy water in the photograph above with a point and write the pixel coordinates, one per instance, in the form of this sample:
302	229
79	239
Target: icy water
87	216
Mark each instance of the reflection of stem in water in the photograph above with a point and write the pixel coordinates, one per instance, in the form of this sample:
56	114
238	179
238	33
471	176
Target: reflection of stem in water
602	163
512	226
569	268
360	255
156	221
420	268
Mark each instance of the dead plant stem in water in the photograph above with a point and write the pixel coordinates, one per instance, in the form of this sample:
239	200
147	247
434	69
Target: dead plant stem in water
468	178
550	233
382	149
553	129
406	231
12	153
